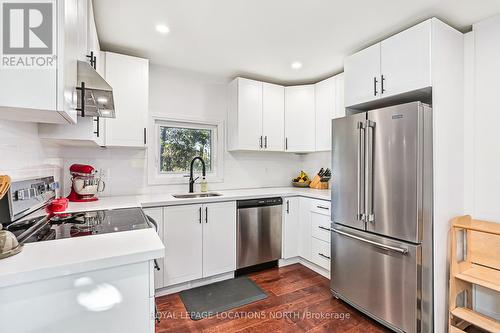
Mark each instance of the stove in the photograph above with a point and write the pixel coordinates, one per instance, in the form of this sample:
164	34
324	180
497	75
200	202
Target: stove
68	225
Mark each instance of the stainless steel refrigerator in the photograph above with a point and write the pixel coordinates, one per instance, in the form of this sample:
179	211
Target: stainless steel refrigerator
381	242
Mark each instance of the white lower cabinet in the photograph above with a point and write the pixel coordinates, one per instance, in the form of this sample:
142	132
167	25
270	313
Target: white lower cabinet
219	238
305	229
320	253
183	239
200	241
291	223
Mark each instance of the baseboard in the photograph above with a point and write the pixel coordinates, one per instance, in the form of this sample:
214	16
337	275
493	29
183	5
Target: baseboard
226	276
193	284
304	262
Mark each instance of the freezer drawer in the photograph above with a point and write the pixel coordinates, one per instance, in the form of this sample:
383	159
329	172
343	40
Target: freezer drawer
379	276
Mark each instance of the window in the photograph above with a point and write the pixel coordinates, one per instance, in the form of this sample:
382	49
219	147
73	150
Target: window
179	145
177	142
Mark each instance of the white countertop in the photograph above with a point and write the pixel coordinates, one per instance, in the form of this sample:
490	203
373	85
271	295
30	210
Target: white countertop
44	260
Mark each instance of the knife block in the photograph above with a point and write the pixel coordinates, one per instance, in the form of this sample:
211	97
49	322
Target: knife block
316	183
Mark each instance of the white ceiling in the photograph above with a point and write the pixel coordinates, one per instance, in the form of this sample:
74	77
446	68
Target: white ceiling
261	38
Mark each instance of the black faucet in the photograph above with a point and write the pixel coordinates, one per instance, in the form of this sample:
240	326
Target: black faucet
191	180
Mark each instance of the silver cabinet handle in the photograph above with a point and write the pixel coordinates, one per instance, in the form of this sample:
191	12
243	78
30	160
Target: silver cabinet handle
360	172
324	228
370	128
375	92
288	206
286	143
324	256
323	207
382	80
200	216
265	142
206	214
380	245
260	142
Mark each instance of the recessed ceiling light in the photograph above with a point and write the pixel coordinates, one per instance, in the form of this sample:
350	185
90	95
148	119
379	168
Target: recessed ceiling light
296	65
162	28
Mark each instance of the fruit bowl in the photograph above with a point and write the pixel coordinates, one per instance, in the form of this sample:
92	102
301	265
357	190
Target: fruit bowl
301	184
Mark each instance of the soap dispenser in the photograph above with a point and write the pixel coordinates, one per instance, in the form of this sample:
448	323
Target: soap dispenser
203	185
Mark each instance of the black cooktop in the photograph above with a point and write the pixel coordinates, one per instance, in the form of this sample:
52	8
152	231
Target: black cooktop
68	225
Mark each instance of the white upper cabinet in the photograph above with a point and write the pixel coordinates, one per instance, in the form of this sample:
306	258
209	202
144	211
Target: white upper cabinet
45	94
362	76
129	78
300	118
245	115
329	105
399	64
406	60
273	117
325	108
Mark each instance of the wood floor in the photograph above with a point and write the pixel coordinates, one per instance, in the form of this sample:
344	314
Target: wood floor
299	300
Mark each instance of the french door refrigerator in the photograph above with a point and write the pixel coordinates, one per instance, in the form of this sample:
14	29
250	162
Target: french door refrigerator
381	246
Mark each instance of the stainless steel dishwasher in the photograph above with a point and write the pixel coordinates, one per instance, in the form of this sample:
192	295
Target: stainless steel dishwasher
258	231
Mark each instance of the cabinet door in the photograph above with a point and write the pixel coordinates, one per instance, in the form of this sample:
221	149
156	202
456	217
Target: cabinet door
83	19
249	114
219	238
183	243
299	119
325	107
291	221
157	215
406	60
305	229
339	109
129	77
273	116
362	76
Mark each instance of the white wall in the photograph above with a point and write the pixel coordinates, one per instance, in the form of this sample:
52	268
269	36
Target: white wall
482	116
20	147
184	95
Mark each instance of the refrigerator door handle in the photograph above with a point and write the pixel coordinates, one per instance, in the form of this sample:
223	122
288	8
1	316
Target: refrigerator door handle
380	245
369	215
360	172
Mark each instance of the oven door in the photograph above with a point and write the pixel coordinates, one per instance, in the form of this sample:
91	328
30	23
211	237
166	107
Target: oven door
377	275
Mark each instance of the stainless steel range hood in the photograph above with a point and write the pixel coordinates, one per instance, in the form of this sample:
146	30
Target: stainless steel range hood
95	98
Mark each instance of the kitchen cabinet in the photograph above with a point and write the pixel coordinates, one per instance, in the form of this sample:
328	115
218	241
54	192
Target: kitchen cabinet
291	226
157	215
405	60
200	241
300	119
183	235
219	238
129	77
47	94
362	76
329	103
398	64
273	117
305	229
255	116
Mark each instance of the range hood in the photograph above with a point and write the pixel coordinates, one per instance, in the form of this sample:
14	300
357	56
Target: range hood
95	98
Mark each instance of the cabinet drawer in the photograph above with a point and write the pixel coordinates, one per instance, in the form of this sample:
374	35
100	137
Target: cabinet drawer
320	225
321	207
320	253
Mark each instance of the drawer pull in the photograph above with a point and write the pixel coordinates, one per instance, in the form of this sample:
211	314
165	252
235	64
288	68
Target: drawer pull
323	207
324	228
324	256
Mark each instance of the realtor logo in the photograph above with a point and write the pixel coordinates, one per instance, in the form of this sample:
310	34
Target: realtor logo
27	37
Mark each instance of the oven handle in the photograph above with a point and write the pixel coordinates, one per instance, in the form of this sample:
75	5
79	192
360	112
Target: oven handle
380	245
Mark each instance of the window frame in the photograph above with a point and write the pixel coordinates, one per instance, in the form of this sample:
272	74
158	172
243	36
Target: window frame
157	177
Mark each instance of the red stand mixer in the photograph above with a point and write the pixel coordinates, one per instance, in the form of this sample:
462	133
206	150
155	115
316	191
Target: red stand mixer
86	182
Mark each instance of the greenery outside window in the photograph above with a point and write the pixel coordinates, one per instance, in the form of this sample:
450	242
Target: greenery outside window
177	143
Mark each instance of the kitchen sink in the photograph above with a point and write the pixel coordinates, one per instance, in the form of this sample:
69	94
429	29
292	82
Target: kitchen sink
196	195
